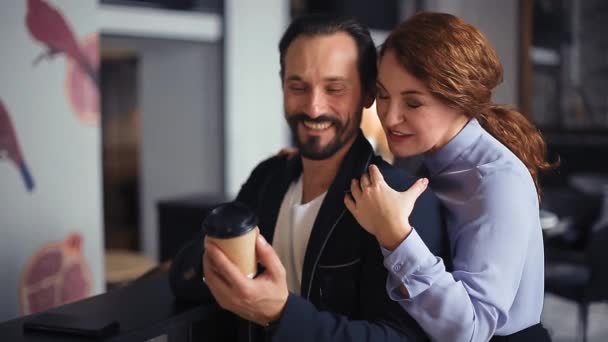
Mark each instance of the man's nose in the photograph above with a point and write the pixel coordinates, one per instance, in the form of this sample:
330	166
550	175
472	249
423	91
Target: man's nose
318	104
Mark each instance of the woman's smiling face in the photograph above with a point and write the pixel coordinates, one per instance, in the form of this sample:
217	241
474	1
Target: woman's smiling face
414	120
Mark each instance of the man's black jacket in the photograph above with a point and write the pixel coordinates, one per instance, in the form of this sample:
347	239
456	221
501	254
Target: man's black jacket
343	294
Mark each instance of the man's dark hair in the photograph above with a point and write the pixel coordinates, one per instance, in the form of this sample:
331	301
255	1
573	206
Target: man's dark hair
326	24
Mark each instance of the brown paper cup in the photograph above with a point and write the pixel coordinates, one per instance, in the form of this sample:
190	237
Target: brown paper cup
240	250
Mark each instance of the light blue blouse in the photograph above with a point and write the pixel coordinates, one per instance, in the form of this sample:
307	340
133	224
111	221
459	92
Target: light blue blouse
497	283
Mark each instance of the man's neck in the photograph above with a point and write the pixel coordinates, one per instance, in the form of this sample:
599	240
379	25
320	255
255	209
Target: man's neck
318	175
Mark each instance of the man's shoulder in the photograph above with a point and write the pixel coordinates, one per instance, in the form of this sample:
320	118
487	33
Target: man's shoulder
426	216
271	164
259	179
401	180
395	177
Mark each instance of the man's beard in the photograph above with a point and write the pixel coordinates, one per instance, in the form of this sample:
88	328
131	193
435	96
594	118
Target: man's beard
312	148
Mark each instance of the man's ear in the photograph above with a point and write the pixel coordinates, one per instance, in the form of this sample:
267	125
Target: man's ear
281	79
370	96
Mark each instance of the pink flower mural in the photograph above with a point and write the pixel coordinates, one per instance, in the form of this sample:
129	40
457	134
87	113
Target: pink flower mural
56	274
48	26
47	106
81	89
10	149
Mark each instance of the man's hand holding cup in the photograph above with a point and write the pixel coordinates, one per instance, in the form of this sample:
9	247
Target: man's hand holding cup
227	266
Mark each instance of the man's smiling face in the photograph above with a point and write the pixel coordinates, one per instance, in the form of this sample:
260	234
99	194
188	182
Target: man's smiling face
322	93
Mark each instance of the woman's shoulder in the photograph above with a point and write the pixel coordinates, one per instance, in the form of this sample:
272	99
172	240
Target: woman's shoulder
493	159
502	176
497	173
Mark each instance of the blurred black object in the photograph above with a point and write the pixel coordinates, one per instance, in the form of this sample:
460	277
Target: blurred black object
180	220
173	4
177	4
578	152
379	15
579	209
551	25
213	6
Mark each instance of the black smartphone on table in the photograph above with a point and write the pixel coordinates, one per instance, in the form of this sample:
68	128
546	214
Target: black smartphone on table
71	324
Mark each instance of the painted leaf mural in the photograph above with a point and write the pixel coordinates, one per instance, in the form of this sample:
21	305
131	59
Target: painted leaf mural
10	149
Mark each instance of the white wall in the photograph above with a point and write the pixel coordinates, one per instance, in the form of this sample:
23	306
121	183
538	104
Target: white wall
499	21
255	127
182	130
62	153
180	97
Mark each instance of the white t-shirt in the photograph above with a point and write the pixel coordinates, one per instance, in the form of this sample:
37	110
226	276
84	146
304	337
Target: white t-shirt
292	231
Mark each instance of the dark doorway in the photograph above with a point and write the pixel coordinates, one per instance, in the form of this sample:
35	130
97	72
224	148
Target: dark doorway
120	150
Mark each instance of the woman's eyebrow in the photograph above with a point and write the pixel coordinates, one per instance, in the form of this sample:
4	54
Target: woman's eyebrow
411	92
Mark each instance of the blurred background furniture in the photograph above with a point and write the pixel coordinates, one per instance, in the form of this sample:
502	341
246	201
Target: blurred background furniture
181	218
123	266
575	267
583	278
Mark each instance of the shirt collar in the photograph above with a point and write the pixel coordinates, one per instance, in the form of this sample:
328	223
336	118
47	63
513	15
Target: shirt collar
437	161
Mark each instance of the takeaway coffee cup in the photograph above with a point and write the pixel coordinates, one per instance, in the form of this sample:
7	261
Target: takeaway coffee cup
231	227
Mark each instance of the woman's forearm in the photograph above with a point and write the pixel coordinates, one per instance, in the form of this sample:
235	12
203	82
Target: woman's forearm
457	306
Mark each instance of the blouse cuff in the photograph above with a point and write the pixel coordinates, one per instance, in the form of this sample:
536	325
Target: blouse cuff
403	263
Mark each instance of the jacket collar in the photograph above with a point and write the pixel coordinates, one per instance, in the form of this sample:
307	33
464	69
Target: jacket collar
353	165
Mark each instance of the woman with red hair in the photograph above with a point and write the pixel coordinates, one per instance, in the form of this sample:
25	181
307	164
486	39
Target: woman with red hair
435	83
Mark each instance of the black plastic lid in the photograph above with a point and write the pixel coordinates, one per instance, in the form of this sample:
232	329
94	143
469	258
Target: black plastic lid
229	220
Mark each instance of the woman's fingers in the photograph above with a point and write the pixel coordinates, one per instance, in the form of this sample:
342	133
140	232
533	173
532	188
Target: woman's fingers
355	189
381	210
349	202
288	152
375	175
365	181
418	188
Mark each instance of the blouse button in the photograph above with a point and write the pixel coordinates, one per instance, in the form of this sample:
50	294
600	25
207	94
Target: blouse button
397	267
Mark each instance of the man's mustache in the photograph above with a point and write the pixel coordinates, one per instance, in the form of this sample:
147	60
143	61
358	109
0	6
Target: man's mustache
301	117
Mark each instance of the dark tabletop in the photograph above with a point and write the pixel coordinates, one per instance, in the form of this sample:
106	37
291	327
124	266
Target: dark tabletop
144	309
